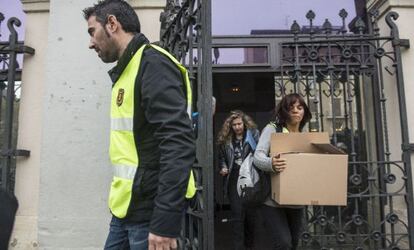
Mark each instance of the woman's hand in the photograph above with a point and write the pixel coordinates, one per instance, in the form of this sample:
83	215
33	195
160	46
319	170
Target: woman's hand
278	164
224	171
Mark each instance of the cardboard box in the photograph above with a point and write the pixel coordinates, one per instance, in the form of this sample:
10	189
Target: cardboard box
316	172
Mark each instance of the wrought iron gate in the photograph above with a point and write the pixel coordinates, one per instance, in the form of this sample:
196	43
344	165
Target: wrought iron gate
186	33
9	74
349	82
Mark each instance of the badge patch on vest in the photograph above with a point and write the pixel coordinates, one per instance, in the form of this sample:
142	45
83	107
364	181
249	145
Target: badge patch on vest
120	97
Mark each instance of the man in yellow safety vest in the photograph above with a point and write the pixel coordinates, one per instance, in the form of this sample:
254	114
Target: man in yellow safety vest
152	145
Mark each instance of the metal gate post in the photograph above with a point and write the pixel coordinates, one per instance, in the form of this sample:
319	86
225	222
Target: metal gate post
7	140
8	150
205	94
397	43
186	33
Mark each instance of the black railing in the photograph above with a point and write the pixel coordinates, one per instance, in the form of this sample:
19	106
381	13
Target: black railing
186	33
342	77
9	74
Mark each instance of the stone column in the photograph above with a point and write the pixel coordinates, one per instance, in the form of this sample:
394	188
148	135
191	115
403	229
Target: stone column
30	124
149	13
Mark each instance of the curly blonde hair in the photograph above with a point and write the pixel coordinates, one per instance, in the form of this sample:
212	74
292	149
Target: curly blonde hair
226	133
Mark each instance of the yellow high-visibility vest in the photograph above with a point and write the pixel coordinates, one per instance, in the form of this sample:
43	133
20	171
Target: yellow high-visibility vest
122	149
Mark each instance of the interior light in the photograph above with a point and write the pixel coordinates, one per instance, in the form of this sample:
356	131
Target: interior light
235	89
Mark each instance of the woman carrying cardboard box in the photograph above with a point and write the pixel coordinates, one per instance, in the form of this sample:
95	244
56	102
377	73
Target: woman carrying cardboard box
284	223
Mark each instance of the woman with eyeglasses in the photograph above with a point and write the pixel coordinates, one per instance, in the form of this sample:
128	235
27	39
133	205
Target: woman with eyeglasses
283	223
233	141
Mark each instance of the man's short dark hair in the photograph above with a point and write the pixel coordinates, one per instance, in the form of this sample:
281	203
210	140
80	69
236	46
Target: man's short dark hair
123	12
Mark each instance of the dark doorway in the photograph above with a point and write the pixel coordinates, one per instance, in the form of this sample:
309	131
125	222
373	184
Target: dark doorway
254	94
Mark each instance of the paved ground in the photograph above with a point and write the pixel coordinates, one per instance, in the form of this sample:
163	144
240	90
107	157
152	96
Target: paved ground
223	236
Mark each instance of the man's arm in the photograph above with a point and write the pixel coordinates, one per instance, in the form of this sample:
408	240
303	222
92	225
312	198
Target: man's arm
165	107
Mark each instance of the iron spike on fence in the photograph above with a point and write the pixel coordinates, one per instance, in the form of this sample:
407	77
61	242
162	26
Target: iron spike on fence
343	15
360	25
295	29
374	14
310	16
327	27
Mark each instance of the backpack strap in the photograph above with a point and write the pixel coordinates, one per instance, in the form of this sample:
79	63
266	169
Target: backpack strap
278	129
250	139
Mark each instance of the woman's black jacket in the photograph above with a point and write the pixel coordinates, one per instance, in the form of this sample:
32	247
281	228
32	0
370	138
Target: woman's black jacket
226	153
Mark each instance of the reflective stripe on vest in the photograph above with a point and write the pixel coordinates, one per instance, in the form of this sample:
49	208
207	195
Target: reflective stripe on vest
122	124
122	149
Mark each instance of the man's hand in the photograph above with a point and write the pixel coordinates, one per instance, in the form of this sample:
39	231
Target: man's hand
156	242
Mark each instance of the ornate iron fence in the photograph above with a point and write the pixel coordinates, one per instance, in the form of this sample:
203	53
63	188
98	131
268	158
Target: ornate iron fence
9	74
186	33
345	79
347	82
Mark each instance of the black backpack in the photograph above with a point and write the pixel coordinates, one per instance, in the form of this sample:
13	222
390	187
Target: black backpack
256	195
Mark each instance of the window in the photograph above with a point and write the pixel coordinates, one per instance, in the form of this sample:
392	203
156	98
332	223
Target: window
337	107
244	55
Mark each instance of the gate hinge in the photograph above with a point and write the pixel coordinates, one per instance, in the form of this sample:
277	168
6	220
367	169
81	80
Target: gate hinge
402	42
14	153
408	147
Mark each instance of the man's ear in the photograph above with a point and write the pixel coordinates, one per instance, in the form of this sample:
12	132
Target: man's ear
112	24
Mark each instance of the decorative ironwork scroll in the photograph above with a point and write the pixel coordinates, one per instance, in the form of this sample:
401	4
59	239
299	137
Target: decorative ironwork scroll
9	74
347	80
186	33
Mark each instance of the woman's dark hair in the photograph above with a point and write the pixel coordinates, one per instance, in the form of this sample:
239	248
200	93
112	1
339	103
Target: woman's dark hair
123	12
281	112
226	133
